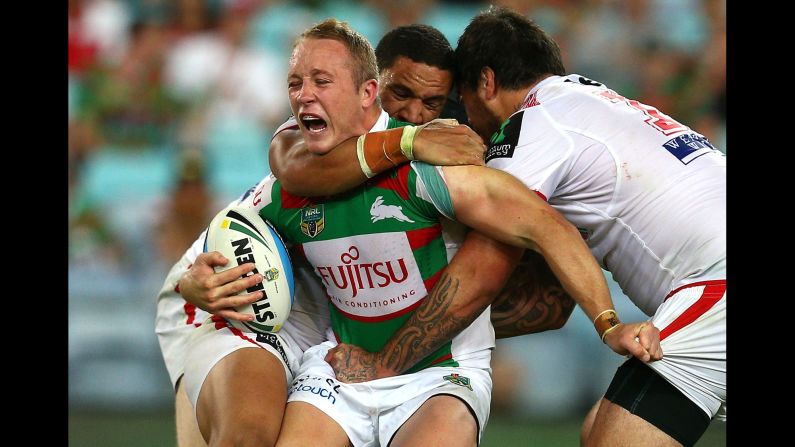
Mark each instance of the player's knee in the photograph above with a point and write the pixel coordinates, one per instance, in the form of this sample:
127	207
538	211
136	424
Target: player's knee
451	415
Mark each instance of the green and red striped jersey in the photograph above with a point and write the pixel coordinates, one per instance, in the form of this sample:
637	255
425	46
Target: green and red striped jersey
378	250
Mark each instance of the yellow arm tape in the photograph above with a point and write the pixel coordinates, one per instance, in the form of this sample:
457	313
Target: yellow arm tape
362	161
606	321
407	141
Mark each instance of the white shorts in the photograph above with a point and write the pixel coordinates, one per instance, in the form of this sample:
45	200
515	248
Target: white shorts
371	412
216	338
176	319
692	323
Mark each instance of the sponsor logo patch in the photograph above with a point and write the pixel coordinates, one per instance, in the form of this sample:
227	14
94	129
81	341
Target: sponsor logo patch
503	142
531	101
327	388
313	220
459	380
368	276
688	147
356	276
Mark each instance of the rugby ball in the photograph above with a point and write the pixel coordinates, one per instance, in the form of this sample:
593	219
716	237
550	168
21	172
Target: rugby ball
242	236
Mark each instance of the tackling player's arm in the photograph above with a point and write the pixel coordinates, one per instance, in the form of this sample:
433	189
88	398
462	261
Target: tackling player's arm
305	174
502	207
475	275
532	301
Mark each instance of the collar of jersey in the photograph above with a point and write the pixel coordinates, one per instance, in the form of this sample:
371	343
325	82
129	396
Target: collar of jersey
381	122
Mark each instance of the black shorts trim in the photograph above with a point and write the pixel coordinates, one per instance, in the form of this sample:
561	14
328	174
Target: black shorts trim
644	393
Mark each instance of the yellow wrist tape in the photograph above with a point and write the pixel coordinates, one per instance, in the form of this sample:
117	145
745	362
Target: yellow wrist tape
362	161
604	334
407	141
605	322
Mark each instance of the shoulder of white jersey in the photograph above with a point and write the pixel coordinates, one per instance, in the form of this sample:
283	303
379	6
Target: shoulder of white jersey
503	143
291	123
575	83
248	193
560	88
259	195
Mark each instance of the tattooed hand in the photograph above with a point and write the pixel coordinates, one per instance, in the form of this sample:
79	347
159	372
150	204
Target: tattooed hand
354	364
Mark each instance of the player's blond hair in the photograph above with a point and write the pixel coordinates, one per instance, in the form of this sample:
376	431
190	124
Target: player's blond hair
365	66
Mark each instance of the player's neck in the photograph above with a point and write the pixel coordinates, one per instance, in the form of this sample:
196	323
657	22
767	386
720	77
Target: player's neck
510	101
370	118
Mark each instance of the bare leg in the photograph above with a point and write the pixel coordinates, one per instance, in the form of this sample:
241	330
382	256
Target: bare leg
305	425
440	421
614	426
188	434
242	400
587	424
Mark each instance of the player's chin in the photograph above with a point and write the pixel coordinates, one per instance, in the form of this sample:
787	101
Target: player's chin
320	144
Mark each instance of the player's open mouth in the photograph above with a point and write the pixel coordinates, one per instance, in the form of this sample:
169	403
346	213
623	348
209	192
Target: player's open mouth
313	123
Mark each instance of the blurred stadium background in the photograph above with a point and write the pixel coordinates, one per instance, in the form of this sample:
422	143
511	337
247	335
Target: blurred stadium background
171	106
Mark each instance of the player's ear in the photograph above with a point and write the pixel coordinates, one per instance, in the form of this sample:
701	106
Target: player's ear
368	92
487	84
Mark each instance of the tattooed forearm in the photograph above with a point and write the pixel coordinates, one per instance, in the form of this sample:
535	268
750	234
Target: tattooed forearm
429	327
532	300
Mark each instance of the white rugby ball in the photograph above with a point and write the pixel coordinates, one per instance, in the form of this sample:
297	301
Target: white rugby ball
242	236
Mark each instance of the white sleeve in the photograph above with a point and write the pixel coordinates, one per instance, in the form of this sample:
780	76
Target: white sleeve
259	196
532	148
168	290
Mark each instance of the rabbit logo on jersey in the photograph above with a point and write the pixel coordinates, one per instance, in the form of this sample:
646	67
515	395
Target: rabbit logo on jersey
370	276
379	211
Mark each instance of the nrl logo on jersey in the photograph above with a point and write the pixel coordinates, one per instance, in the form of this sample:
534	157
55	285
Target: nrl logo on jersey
313	220
379	211
459	380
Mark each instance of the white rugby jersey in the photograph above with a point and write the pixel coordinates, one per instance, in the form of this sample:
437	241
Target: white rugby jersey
647	193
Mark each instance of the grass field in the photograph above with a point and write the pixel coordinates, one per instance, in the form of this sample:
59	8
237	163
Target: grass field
155	430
